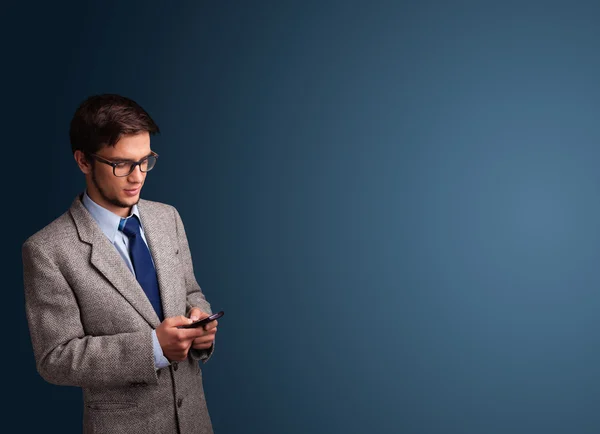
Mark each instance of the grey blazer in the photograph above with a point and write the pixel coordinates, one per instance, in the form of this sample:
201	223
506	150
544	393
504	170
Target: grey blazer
90	323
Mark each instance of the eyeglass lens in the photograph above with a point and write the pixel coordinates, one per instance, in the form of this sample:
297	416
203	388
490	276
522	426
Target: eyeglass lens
124	169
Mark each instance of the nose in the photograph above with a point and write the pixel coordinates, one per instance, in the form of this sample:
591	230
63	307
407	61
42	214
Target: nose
137	175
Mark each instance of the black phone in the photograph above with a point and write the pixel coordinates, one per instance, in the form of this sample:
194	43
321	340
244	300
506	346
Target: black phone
203	321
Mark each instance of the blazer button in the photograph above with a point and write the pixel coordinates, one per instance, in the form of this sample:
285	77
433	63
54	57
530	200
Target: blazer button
177	251
179	402
175	366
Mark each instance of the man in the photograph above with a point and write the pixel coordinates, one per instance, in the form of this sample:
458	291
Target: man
109	283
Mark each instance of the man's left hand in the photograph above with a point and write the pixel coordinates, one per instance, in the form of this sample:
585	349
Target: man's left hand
207	339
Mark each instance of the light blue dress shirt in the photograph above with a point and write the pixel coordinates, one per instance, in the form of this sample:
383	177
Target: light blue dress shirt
109	224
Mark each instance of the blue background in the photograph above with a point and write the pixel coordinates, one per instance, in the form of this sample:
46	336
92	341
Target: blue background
396	203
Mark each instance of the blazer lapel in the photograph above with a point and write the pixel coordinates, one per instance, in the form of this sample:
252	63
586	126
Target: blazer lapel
110	264
157	235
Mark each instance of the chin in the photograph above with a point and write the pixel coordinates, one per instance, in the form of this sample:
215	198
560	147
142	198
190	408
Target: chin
133	200
130	200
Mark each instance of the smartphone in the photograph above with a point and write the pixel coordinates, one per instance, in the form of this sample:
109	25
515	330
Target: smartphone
203	321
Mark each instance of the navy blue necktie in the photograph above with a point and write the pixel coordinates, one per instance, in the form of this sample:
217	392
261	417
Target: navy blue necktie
142	263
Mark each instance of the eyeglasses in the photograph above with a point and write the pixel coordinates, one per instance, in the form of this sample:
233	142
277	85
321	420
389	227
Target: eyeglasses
124	168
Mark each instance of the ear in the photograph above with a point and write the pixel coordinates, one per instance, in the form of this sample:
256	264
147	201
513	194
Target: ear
84	164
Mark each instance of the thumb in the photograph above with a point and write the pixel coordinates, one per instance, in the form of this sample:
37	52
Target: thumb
180	320
196	314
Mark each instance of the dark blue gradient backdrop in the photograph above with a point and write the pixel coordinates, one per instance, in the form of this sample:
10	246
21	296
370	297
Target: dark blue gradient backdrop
397	204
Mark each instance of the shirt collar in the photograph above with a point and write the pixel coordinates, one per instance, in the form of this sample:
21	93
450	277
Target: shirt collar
107	220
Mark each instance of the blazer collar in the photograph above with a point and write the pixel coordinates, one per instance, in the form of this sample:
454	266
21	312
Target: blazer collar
105	258
158	232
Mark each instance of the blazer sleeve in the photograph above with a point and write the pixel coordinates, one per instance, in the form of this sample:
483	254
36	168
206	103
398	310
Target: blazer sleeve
195	297
64	354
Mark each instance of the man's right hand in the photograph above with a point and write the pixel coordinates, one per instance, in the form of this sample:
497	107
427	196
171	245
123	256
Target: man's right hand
176	342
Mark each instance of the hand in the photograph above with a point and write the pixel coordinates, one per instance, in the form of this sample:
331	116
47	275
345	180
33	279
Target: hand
207	339
176	342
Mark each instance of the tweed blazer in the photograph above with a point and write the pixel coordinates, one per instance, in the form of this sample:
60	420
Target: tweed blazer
90	323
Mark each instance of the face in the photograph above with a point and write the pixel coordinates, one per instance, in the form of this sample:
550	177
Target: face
117	194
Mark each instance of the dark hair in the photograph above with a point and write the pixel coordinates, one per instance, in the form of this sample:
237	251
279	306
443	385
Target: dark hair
101	120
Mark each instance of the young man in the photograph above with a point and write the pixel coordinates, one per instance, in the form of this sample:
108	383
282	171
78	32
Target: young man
108	284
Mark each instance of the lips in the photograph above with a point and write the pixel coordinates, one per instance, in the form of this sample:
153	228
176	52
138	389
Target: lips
132	191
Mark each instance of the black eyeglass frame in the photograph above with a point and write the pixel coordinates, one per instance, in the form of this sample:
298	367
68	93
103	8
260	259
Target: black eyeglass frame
132	164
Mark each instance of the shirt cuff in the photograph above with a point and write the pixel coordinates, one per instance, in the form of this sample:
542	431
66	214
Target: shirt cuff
160	361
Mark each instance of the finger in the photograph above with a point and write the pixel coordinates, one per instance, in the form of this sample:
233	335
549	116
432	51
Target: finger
196	314
193	333
204	339
203	346
210	334
211	325
176	321
206	332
